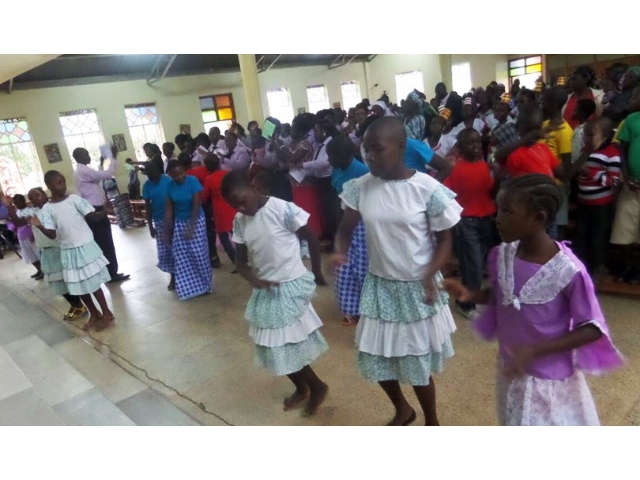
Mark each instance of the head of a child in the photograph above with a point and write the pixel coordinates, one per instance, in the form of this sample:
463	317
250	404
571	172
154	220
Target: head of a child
529	121
252	125
527	205
56	183
202	140
81	155
437	125
340	151
526	99
263	183
185	160
384	144
189	145
19	201
176	171
38	197
168	148
553	99
285	130
470	144
237	190
152	171
501	111
584	109
128	161
180	140
212	162
601	127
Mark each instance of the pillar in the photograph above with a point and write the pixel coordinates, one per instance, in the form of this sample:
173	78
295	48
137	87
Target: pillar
445	70
251	86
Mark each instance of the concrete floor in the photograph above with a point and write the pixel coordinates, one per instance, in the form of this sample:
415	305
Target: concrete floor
199	356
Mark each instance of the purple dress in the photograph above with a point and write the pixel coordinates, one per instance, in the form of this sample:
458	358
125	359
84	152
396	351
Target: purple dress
533	304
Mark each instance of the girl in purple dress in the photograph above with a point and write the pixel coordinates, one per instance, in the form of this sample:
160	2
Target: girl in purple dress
541	307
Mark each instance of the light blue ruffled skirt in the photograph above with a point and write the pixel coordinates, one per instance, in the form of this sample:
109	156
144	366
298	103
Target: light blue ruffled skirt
51	266
399	336
284	326
84	268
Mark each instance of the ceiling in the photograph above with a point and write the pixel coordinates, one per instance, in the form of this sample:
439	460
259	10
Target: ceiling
71	69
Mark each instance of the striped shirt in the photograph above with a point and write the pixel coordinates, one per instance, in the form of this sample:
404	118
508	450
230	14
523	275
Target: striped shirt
599	177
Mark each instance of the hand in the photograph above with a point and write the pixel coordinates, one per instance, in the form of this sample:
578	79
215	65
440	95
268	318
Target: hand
263	284
189	233
338	259
457	290
319	278
35	221
521	358
152	231
430	290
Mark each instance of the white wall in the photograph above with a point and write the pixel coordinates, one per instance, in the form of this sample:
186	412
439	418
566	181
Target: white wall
484	68
383	68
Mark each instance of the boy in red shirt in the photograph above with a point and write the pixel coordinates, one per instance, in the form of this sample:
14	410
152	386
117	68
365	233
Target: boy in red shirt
473	183
598	179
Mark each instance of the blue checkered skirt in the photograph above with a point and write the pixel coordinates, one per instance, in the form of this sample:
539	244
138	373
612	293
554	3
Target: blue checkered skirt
165	252
192	266
350	277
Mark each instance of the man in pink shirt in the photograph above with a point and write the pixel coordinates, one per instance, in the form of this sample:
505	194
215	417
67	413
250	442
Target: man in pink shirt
88	186
236	156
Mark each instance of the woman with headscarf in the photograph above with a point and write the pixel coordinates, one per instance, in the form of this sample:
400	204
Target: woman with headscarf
414	122
629	81
581	83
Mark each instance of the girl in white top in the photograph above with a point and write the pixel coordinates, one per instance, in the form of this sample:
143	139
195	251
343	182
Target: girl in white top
405	325
83	264
283	324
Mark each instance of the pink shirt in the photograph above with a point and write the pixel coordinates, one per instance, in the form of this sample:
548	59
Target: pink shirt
238	160
88	182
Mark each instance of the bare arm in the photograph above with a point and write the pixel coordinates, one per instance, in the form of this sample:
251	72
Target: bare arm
443	167
350	221
195	213
441	254
47	232
304	233
168	220
243	268
152	230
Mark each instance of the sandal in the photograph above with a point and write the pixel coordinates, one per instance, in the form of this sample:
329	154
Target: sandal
350	320
75	313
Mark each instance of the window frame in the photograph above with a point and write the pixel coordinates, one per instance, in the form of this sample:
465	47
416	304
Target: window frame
289	105
398	98
95	154
12	189
139	151
326	103
537	74
344	103
216	109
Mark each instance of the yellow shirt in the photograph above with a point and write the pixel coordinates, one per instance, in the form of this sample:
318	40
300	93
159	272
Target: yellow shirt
560	140
615	137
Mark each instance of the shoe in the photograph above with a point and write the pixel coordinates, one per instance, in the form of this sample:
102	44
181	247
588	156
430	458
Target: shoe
119	277
75	313
38	276
467	313
35	275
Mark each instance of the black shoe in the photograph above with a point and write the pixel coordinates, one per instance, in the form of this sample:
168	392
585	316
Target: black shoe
119	277
35	275
38	276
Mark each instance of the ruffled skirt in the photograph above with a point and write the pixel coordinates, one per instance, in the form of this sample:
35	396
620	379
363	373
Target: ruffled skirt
51	266
29	251
285	327
84	268
399	337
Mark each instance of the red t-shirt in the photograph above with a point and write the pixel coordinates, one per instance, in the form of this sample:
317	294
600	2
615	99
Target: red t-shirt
199	172
537	158
472	182
223	213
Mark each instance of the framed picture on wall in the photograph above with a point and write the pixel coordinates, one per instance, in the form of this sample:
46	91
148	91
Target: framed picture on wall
119	142
185	128
52	151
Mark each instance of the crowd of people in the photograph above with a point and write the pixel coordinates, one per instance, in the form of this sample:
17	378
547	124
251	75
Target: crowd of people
392	191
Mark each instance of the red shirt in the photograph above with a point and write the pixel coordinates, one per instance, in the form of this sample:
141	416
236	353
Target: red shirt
571	106
537	158
223	213
199	172
472	182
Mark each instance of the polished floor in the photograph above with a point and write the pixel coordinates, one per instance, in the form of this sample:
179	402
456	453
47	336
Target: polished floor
168	362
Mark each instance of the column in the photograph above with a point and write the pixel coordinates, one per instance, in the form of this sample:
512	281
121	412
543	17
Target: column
251	86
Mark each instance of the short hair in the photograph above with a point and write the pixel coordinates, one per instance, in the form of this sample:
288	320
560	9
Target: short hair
75	153
557	96
251	123
181	137
539	192
530	94
173	164
169	145
586	106
465	133
265	179
234	180
184	159
51	175
341	146
203	138
328	126
19	196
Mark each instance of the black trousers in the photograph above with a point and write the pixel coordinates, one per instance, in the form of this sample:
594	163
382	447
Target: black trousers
330	205
593	228
228	246
102	235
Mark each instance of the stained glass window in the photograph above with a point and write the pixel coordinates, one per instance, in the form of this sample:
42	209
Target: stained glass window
528	70
350	94
81	129
318	98
280	105
20	169
217	111
144	127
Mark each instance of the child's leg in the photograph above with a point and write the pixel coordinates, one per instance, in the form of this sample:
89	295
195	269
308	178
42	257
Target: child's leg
427	397
73	300
107	315
38	267
318	390
471	254
301	393
228	247
172	282
95	315
404	413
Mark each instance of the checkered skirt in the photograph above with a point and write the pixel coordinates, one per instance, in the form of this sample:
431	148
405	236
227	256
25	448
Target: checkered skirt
350	277
165	252
192	266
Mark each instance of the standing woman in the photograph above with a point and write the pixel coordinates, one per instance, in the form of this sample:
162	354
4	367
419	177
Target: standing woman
305	192
414	122
184	222
581	84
